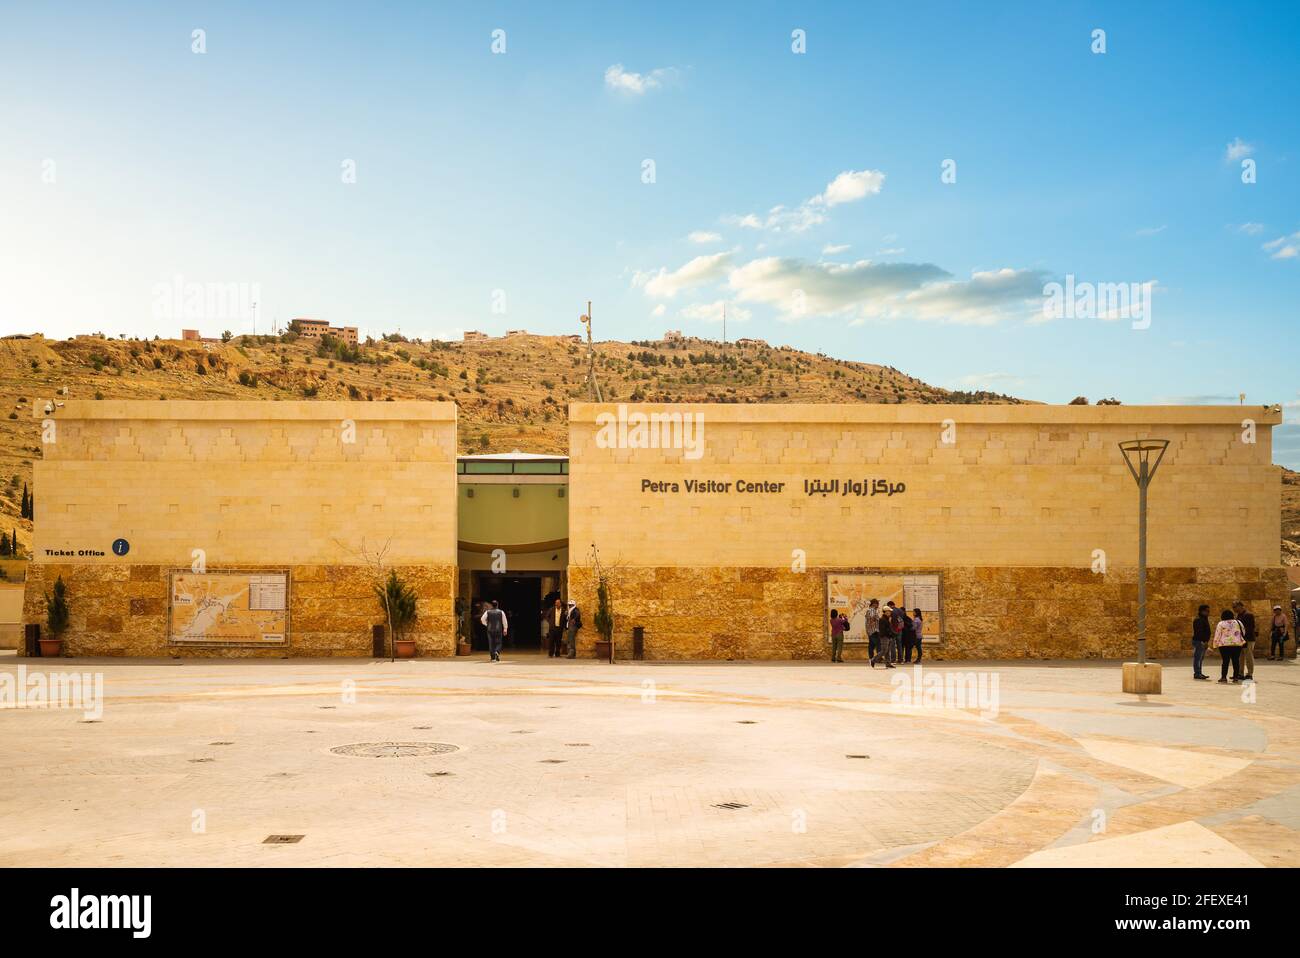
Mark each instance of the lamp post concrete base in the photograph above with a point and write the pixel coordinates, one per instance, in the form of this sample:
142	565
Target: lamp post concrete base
1142	679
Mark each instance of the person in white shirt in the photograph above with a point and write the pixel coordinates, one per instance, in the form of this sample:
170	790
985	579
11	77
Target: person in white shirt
494	620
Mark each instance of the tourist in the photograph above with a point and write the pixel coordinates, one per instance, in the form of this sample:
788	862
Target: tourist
888	643
1277	634
838	624
896	617
572	623
1229	637
1200	640
906	638
872	627
554	619
917	623
494	620
1247	620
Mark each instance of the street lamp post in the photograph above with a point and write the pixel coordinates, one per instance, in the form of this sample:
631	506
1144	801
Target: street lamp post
1138	455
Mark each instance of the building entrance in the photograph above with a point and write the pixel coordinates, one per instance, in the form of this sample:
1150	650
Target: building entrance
521	596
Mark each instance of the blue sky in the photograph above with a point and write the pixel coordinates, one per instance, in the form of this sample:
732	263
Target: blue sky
519	178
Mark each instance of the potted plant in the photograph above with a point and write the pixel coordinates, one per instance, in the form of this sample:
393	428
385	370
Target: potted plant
463	646
398	601
56	620
604	618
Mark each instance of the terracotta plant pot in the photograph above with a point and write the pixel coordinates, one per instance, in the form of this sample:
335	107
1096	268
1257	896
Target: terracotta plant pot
405	648
463	648
51	648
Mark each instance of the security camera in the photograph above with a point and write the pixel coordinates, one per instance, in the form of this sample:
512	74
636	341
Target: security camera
49	408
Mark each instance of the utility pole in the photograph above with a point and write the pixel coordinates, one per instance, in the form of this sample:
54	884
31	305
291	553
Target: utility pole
593	388
724	324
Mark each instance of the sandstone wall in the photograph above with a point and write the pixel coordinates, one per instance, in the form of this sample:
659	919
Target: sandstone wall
989	612
122	610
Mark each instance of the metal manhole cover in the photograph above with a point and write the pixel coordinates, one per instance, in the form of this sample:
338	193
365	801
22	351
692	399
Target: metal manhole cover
282	839
394	749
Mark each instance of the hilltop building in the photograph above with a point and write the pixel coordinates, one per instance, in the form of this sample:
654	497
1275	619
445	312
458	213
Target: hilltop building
316	328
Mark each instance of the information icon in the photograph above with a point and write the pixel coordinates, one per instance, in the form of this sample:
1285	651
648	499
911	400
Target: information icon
121	547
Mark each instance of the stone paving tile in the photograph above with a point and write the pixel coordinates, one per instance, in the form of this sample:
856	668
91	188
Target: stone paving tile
940	786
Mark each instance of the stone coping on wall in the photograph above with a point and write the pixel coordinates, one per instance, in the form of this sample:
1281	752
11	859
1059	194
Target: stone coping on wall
223	410
885	413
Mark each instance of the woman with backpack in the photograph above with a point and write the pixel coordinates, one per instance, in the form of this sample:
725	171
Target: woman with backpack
1229	637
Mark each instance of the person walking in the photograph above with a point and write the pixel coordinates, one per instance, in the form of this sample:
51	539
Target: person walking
1247	620
838	624
572	623
554	620
888	644
1277	634
917	623
1229	638
494	620
1200	641
871	625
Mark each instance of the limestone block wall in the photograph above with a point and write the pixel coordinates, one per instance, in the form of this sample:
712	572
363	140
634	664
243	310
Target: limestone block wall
122	610
1028	511
1016	485
318	488
989	612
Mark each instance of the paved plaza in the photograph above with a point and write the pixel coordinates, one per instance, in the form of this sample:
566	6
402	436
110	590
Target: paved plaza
580	763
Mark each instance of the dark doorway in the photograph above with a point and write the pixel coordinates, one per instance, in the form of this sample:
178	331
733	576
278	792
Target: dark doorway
521	598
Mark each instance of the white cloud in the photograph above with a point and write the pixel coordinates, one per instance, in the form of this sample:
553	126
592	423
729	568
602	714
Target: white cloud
659	310
1152	230
1251	229
1284	247
985	299
831	250
712	312
897	251
704	236
1238	149
795	286
664	284
849	187
636	84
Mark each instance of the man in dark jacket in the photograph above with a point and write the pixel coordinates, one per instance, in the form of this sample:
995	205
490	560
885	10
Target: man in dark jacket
572	623
1200	640
494	620
1248	650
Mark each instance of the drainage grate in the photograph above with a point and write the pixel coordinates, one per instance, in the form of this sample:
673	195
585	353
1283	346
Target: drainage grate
421	728
746	722
203	760
554	761
439	774
523	731
327	706
221	743
578	744
282	839
857	756
394	749
731	805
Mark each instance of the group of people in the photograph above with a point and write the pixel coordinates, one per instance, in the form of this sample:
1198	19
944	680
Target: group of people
560	625
1234	637
892	634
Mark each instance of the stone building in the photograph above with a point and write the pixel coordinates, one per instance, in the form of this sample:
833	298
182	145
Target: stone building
727	531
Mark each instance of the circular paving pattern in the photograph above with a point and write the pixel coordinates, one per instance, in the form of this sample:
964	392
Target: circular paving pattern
394	749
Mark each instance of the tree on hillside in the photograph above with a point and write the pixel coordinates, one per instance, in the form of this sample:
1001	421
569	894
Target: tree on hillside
4	544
